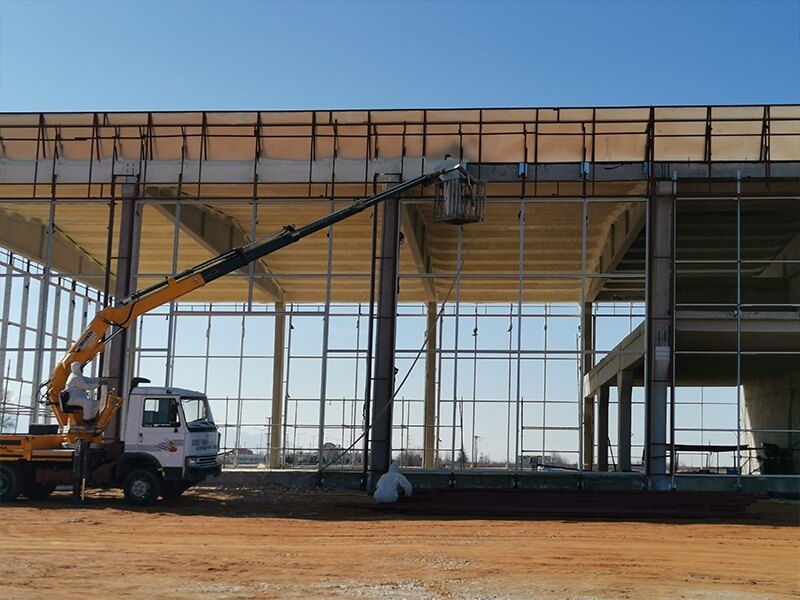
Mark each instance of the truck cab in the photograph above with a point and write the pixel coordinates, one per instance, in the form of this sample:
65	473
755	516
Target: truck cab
171	433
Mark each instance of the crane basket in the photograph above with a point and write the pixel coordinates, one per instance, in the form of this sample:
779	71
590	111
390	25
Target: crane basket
459	200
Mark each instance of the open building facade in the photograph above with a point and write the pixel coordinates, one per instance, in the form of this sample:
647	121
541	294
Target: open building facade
629	301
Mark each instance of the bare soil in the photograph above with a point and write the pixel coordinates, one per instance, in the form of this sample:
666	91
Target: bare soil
276	543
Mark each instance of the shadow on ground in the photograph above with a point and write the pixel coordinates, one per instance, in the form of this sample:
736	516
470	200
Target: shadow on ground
339	505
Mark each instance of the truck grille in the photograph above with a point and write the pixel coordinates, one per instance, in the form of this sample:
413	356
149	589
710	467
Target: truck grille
206	461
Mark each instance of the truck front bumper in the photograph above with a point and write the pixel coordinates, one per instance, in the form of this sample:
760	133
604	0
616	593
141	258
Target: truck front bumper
198	474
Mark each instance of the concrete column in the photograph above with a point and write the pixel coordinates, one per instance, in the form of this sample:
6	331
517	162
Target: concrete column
117	366
771	410
602	428
429	444
659	325
624	392
587	348
588	433
276	425
383	381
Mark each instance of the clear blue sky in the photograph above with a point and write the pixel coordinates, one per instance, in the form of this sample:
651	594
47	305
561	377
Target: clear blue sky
165	55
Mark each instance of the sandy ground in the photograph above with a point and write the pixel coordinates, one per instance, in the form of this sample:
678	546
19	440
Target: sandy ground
282	544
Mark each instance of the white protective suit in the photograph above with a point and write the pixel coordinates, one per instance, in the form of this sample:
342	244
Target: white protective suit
79	387
389	484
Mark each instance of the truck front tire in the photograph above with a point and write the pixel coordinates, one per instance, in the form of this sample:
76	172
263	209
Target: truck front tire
9	483
142	487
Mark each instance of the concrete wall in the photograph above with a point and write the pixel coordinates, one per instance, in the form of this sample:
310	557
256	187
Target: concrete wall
774	404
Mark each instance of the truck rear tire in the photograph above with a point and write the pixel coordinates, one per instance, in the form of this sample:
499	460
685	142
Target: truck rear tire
37	491
142	487
9	483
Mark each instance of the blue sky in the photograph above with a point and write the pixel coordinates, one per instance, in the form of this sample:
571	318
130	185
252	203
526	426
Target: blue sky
167	55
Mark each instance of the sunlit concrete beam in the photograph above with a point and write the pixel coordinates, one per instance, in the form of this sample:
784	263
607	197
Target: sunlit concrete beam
621	236
28	237
416	236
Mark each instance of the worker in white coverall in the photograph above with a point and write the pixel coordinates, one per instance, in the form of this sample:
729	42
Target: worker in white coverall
390	484
79	387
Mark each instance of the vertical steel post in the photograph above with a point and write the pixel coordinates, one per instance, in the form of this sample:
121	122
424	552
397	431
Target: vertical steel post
326	328
455	358
521	277
285	400
277	387
23	323
4	322
738	460
44	290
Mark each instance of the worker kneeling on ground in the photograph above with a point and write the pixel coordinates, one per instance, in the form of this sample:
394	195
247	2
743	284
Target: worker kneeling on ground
79	387
391	484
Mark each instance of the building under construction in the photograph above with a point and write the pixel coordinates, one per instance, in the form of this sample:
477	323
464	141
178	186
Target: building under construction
616	303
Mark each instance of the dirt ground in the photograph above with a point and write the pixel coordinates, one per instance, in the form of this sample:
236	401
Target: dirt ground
289	544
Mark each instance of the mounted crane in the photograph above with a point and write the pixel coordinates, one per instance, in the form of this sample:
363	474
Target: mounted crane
167	440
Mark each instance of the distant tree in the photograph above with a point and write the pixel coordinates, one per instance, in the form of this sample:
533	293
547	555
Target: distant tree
559	460
409	458
6	419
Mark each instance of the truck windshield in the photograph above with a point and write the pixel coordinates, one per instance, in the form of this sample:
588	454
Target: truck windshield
197	412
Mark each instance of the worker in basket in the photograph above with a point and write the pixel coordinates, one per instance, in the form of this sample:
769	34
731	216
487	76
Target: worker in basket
79	387
391	485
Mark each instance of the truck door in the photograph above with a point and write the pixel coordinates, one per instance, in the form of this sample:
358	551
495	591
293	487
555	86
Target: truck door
161	433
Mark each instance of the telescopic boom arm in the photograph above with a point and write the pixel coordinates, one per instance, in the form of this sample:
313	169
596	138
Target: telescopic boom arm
94	338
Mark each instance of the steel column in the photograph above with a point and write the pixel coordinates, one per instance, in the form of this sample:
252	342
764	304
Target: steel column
117	364
383	386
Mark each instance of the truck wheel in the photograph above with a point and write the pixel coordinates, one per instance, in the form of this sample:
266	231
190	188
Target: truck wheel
37	491
142	487
9	483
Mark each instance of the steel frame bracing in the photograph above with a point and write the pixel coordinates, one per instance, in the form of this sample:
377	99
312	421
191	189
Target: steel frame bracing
593	177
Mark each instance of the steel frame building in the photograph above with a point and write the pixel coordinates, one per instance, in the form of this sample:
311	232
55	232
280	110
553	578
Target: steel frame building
631	299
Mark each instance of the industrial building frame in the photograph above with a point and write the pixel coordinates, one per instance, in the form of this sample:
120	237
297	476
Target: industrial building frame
617	187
